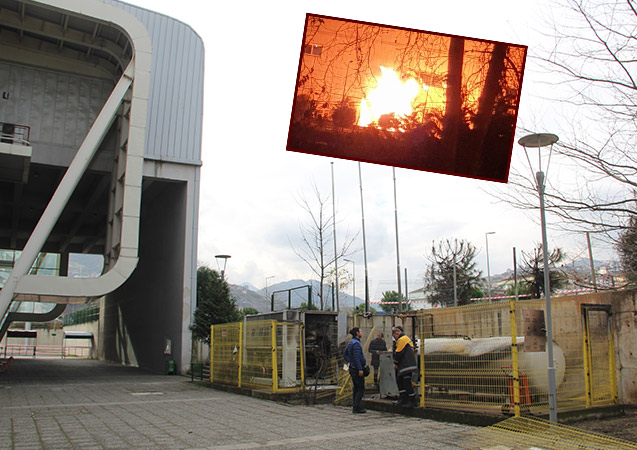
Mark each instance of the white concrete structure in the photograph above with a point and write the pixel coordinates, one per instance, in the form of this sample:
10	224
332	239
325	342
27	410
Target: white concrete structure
101	115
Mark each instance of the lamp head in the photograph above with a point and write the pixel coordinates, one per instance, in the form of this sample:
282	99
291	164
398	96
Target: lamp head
539	140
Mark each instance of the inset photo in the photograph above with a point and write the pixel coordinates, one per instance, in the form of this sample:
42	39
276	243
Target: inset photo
406	98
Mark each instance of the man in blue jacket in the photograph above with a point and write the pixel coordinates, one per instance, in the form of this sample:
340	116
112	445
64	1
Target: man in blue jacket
355	356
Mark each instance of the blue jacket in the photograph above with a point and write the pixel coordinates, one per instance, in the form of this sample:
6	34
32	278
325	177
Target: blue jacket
354	354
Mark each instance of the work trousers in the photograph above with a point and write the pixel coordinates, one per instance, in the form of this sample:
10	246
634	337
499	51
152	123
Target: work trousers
358	390
405	388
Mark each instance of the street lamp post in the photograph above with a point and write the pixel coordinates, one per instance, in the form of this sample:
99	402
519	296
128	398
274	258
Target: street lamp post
338	308
486	236
538	141
224	258
353	281
360	181
455	275
400	301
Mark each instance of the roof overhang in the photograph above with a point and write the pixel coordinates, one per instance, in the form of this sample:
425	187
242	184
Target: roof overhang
66	33
63	36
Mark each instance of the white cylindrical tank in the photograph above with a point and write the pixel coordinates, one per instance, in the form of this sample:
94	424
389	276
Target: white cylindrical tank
535	366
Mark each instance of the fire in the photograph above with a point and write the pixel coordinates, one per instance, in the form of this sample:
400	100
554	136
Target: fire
391	95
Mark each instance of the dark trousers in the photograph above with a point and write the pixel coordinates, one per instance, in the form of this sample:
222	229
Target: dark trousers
358	390
376	374
405	388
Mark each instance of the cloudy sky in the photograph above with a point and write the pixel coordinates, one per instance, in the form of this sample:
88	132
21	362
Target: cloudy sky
251	184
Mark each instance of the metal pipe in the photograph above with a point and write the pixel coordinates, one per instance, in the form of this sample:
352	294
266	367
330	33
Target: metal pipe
486	236
547	295
400	301
360	181
338	308
590	258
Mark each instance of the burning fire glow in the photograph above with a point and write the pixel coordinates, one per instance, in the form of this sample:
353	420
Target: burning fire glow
391	95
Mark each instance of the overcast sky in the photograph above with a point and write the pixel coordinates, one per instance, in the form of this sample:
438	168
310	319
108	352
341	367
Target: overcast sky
250	183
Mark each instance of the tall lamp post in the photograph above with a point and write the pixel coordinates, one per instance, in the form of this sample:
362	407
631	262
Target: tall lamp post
223	258
353	281
400	300
338	308
539	140
486	236
360	181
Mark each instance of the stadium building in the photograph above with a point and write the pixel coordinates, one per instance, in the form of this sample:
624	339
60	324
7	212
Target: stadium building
100	154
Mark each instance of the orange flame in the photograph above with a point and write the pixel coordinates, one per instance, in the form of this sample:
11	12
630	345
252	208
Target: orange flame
391	95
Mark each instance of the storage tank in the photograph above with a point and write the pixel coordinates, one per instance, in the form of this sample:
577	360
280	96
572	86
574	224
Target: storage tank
484	366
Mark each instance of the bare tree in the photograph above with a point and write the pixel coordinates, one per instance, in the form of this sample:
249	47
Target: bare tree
592	62
317	239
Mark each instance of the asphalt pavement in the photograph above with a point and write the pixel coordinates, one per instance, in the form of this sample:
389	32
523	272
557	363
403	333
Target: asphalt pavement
86	404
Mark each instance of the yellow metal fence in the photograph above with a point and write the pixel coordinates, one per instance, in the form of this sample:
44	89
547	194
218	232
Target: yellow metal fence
492	357
258	354
524	433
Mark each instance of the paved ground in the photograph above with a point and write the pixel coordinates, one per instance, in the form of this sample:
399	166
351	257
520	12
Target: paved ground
83	404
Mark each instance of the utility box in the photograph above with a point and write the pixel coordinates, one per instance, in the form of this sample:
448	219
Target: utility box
387	382
322	333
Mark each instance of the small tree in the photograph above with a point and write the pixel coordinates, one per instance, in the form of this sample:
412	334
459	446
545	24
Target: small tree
439	276
627	249
305	307
247	312
360	309
533	272
523	289
214	303
390	302
344	116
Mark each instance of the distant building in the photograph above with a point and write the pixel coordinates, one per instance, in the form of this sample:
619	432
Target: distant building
419	300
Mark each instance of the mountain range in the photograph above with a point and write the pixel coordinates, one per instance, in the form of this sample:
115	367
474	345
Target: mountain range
247	295
293	292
